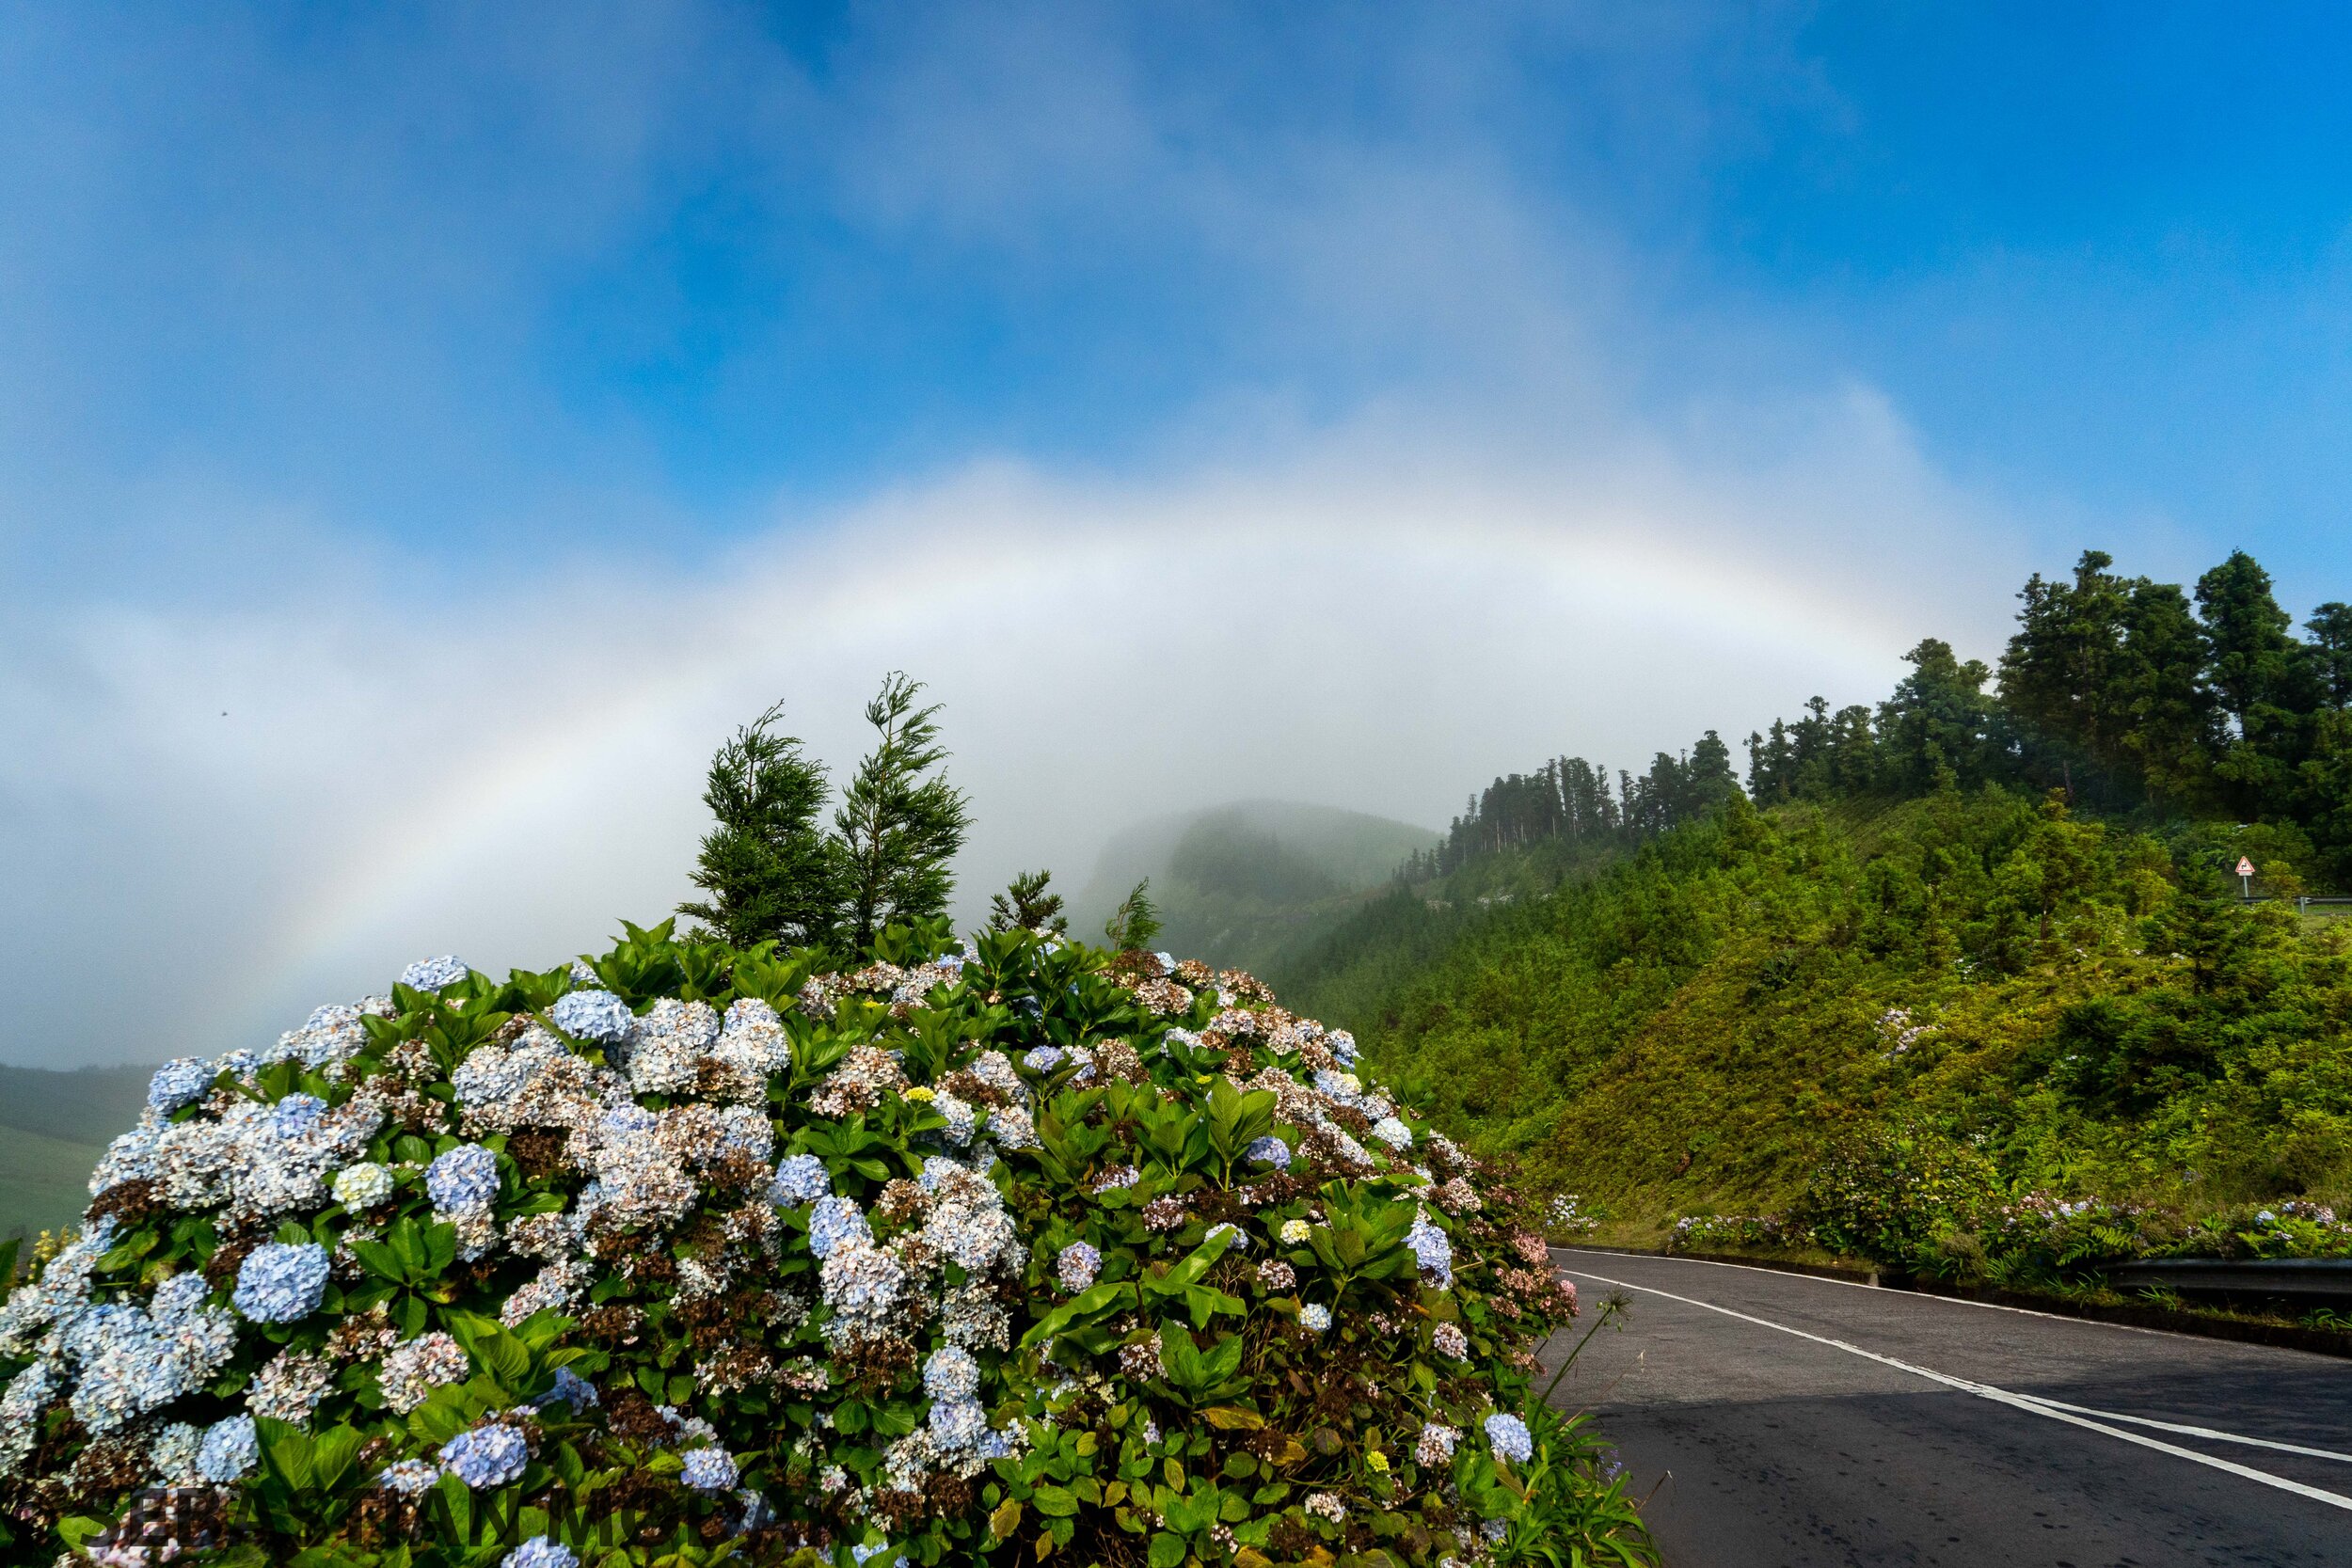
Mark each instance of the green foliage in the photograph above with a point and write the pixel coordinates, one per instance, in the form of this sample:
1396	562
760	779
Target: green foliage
1238	886
1565	810
1896	1194
1025	906
1571	1478
2124	696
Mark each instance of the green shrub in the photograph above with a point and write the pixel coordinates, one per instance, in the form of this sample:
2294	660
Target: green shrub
1897	1195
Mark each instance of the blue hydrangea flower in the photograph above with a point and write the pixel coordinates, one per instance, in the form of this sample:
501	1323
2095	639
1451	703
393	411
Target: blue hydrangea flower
280	1282
993	1445
1269	1150
624	1122
173	1453
866	1554
407	1477
951	1374
1509	1437
177	1298
571	1389
1046	1059
231	1449
710	1470
833	1221
1341	1087
134	1361
1430	1245
1343	1047
1077	1266
1314	1317
541	1551
593	1015
1393	1133
957	1425
179	1082
800	1179
938	1168
465	1178
486	1457
296	1114
432	974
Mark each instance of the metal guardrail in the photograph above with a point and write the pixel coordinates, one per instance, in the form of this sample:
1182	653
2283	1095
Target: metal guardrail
2258	1277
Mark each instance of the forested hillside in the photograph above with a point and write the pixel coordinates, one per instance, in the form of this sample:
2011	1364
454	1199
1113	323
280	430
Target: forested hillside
1979	940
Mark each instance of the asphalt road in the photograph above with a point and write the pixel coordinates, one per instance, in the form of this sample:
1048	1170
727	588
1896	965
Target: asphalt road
1768	1450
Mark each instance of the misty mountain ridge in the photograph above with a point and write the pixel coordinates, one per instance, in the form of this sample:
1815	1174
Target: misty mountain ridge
1239	883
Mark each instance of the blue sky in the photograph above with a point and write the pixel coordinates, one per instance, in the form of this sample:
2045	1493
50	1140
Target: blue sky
511	285
423	430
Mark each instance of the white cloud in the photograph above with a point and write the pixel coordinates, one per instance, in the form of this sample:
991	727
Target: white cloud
216	821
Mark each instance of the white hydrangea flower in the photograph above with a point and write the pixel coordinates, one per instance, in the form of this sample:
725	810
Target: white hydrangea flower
362	1186
434	973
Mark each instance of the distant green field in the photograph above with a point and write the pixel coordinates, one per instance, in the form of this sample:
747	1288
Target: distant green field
43	1182
52	1128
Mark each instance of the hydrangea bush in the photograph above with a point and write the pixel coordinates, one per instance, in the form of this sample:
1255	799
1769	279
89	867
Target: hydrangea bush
689	1253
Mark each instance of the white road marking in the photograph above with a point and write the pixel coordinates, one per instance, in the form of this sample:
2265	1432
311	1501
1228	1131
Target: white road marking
2207	1433
2192	1431
2001	1396
1916	1295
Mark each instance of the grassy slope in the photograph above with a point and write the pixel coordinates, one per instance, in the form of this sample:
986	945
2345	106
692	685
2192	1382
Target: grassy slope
1685	1031
52	1128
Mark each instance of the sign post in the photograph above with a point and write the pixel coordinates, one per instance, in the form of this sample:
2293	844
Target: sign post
2244	878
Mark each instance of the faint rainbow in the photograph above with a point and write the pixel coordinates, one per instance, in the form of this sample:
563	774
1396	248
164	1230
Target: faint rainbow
447	828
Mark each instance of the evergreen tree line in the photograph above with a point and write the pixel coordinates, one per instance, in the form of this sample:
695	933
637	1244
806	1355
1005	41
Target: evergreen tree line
1569	801
2132	696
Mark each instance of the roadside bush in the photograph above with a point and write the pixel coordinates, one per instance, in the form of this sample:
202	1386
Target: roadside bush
1899	1195
691	1253
1699	1232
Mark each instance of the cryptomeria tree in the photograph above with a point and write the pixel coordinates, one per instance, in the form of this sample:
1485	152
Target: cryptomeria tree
1025	906
770	872
901	822
1136	921
773	874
